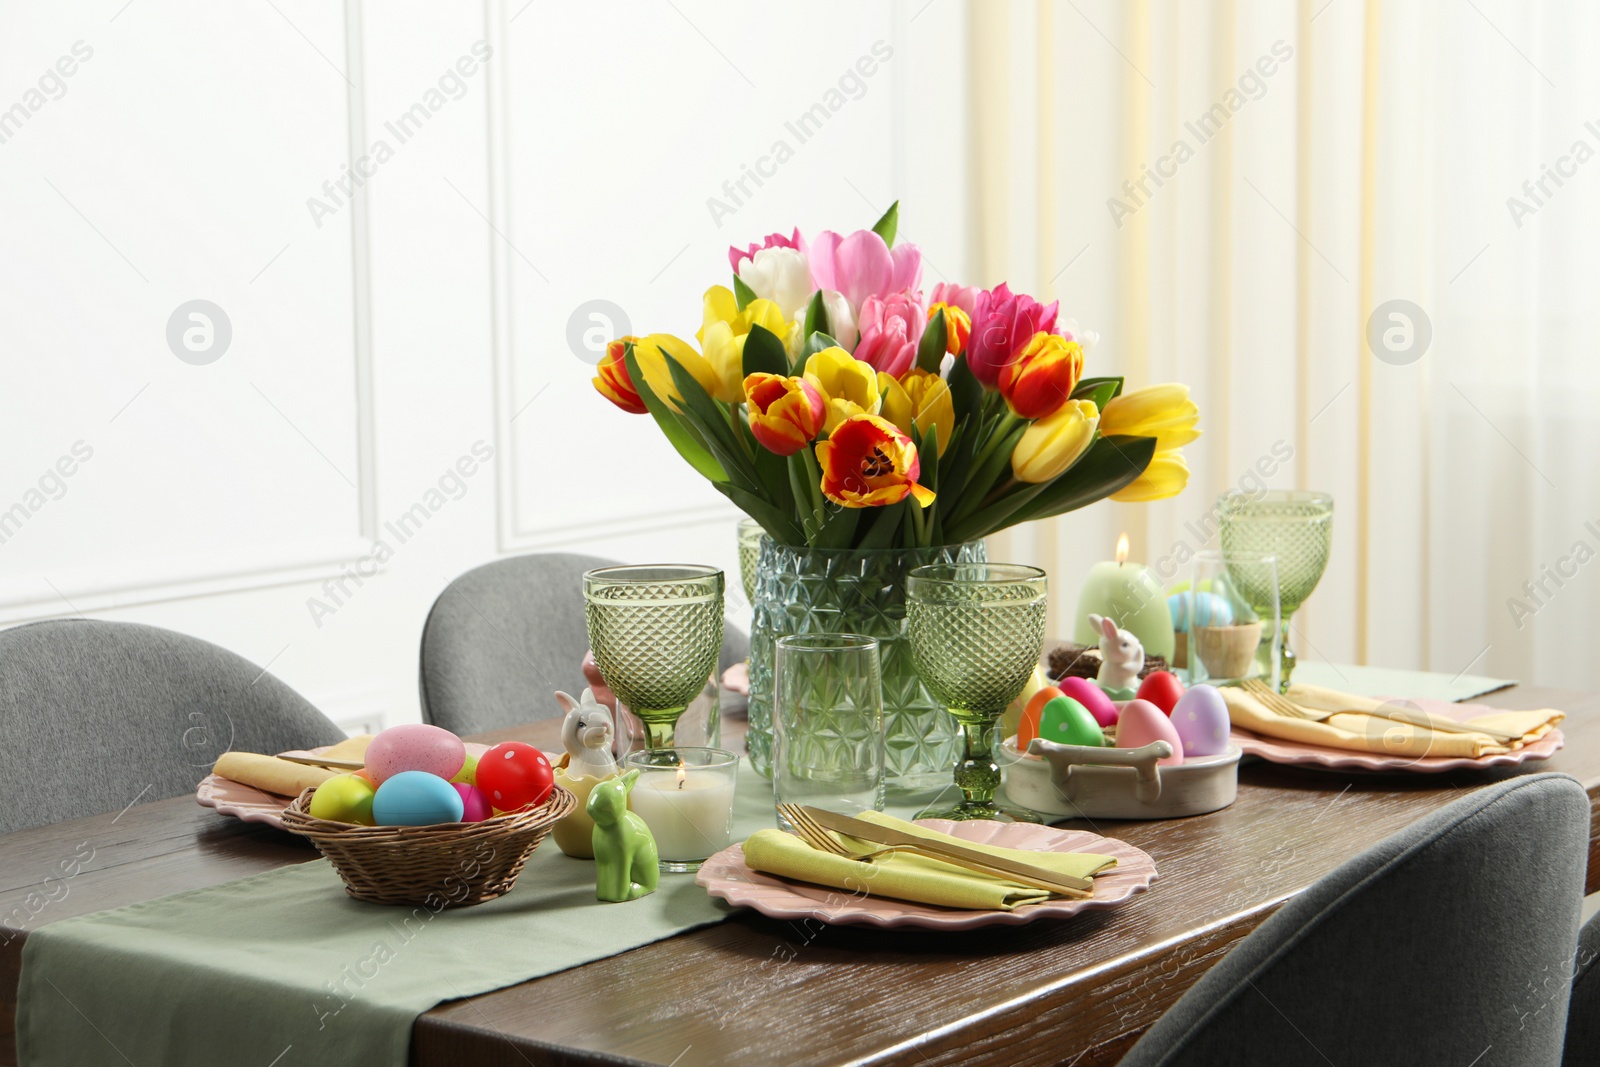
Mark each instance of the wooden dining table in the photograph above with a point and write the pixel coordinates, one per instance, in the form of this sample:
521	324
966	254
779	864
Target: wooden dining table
753	990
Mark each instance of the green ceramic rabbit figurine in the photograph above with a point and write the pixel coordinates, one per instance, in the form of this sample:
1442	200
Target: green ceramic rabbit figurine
627	865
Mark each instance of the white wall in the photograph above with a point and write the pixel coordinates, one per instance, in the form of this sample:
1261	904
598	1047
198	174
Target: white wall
379	338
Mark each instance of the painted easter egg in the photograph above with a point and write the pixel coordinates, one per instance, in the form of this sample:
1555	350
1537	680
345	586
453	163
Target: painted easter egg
1209	610
415	746
1068	722
1141	723
1028	725
468	774
1162	689
416	798
475	807
344	798
1201	719
514	775
1092	697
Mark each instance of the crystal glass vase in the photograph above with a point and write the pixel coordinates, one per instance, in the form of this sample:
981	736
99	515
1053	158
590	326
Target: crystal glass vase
812	591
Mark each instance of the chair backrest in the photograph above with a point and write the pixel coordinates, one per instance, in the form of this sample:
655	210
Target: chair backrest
503	637
97	715
1583	1015
1431	947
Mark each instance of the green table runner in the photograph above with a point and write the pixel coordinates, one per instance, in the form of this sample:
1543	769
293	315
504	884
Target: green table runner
284	964
1390	682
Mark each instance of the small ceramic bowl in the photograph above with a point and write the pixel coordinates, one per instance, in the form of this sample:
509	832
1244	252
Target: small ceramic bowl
1077	781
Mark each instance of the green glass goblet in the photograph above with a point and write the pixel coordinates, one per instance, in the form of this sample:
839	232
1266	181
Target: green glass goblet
656	632
976	630
1294	525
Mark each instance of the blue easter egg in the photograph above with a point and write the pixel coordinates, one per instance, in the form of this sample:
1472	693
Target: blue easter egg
1209	610
416	798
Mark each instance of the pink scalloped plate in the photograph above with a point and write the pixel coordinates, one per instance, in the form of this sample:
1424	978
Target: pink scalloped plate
250	804
1297	754
726	875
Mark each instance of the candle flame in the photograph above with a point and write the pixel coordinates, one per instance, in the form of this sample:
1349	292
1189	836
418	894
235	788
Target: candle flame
1122	550
683	773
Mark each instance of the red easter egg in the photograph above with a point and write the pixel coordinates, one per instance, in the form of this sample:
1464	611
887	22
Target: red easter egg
1028	725
1162	689
514	775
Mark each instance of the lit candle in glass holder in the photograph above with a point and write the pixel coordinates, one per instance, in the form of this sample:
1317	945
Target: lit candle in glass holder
685	797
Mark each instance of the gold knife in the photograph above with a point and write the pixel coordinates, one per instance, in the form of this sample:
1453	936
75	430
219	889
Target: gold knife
320	761
961	856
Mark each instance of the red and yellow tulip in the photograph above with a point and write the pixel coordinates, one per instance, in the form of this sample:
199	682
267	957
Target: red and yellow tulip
613	382
785	413
1041	377
868	462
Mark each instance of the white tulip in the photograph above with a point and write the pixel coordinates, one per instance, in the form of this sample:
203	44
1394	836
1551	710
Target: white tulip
781	275
841	321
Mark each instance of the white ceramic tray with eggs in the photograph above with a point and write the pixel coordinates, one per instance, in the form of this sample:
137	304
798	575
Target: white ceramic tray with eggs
1150	766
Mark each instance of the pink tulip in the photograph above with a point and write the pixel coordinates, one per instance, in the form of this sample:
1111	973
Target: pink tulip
1002	324
774	240
964	297
890	329
862	265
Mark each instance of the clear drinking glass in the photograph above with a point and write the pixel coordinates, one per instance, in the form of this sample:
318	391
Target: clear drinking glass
827	717
1230	613
976	631
1294	525
656	632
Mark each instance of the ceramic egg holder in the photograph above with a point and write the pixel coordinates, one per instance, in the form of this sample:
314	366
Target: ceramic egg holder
586	734
1152	777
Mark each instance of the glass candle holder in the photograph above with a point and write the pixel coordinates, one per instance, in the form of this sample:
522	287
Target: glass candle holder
685	796
1230	613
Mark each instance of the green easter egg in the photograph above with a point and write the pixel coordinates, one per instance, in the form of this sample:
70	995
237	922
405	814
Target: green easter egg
1068	722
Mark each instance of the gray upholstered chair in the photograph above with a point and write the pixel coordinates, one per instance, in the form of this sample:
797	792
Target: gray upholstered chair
1583	1016
97	715
504	636
1431	947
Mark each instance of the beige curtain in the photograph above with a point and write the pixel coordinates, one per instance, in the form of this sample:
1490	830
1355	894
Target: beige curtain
1230	194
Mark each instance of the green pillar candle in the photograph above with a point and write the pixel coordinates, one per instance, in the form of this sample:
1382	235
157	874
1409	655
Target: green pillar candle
1131	596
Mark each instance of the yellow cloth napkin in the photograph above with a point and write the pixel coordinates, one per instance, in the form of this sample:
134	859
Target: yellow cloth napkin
1357	732
271	774
914	878
351	748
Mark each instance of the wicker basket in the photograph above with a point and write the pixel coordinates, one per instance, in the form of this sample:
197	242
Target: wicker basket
449	865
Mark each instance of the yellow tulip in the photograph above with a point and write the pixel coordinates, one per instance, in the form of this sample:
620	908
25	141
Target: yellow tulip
1166	476
723	330
922	399
1052	444
1164	412
849	386
648	352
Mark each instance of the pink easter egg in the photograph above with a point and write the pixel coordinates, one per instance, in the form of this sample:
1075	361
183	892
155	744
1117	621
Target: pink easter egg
475	806
1142	722
415	746
1092	697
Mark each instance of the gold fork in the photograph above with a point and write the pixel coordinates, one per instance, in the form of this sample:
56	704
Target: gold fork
818	837
1281	705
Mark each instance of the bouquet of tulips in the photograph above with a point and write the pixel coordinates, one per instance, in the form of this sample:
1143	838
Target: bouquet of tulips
839	408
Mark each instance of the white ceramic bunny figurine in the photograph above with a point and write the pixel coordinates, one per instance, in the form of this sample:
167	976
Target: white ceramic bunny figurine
1121	659
586	734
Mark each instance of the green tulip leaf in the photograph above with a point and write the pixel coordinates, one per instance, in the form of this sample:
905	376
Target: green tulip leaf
674	428
817	316
1110	464
966	392
886	226
1100	390
764	353
742	293
816	343
930	350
